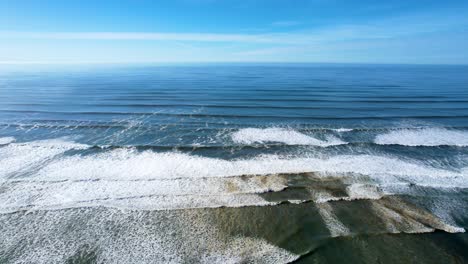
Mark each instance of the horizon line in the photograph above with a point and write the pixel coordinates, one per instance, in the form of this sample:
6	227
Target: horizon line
155	63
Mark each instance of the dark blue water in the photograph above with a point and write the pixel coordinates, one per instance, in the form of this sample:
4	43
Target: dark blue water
81	142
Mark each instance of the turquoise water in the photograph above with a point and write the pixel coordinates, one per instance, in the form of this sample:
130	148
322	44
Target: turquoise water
269	163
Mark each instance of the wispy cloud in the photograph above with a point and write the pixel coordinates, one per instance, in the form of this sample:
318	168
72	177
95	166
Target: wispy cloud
418	36
288	23
342	33
390	28
197	37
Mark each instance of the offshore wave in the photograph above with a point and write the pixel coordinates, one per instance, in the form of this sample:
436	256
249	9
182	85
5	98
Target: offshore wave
282	135
395	136
424	137
256	147
404	137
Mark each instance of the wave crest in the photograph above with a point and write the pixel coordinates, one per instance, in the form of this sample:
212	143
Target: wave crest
424	137
282	135
6	140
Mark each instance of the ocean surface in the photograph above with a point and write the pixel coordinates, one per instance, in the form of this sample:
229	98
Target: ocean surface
274	163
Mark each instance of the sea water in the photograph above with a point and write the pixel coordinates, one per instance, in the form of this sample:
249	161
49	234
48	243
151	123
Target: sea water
263	163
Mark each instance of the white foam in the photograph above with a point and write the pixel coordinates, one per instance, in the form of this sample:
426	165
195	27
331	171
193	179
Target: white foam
129	164
343	129
21	157
282	135
256	250
6	140
363	191
396	223
424	137
162	195
150	180
122	236
174	180
64	200
334	225
148	195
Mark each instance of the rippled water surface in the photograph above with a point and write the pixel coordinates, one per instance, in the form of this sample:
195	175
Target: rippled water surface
234	163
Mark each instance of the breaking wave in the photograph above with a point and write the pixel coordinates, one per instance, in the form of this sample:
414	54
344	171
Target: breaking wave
39	174
22	157
282	135
424	137
6	140
131	164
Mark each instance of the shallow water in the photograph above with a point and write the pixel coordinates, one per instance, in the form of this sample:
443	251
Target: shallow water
234	163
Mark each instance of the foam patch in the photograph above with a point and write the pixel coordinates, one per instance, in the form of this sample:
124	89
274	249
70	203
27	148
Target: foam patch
23	157
6	140
424	137
281	135
129	164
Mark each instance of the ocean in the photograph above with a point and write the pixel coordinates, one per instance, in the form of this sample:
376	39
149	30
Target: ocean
234	163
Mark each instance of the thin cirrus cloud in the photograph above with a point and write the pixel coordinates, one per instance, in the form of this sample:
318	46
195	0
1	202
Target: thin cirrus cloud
391	28
292	38
287	23
412	38
196	37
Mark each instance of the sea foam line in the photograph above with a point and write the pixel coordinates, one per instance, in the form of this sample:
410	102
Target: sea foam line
424	137
282	135
22	157
131	164
6	140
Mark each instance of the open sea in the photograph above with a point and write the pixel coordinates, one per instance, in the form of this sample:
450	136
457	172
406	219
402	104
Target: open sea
256	163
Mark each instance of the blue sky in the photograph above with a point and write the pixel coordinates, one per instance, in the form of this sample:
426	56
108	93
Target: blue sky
141	31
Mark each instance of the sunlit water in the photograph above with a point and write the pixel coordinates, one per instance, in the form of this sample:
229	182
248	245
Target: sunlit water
234	163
